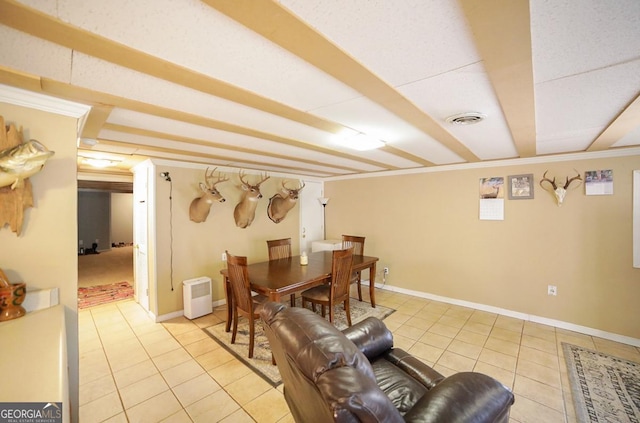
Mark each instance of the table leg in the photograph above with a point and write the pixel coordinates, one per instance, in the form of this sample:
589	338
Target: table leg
372	284
229	294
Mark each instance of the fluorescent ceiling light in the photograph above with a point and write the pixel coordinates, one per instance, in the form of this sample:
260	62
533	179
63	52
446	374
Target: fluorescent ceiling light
101	163
362	142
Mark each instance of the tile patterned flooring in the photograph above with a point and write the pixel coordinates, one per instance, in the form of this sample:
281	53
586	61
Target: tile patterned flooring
135	370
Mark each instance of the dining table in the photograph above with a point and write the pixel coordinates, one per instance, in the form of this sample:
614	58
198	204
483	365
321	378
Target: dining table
277	278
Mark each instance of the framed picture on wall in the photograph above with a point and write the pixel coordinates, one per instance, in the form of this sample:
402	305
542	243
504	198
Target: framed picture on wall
520	187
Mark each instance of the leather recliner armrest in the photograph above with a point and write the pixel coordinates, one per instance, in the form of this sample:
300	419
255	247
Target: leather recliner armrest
414	367
371	337
464	397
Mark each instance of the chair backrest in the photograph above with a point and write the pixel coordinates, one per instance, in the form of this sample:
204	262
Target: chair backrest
279	248
239	280
357	242
341	273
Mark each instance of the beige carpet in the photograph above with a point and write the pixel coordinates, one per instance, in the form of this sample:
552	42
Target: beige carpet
112	266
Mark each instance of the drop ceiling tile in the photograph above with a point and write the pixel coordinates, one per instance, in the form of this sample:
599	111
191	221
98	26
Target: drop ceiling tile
396	40
570	37
34	55
585	101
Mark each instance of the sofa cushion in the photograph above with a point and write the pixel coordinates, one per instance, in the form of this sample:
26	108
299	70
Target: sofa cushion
399	387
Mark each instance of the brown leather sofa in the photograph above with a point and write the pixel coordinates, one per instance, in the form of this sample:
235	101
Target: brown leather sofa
357	376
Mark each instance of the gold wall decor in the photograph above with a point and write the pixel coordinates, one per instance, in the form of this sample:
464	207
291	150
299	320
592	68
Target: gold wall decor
18	161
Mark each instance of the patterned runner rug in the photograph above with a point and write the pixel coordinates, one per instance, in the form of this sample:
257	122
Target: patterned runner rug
261	361
605	388
101	294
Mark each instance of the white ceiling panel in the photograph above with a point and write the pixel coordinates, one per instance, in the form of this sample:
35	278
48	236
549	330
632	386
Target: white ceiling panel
571	37
585	101
25	53
398	40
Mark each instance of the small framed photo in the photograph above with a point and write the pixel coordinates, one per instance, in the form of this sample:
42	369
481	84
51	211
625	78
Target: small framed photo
521	187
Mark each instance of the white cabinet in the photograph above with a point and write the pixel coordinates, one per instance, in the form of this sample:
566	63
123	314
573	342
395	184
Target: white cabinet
326	245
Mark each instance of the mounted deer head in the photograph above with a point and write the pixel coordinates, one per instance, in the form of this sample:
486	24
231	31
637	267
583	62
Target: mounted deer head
279	205
199	208
559	192
245	210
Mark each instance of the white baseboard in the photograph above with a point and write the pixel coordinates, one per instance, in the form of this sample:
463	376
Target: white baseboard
173	315
515	314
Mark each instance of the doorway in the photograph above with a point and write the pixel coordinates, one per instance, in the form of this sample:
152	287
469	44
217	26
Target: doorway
105	243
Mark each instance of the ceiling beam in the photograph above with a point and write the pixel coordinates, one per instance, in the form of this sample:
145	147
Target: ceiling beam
502	32
204	143
277	24
222	160
624	123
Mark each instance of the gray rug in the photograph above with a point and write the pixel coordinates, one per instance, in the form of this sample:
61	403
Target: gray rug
605	388
261	361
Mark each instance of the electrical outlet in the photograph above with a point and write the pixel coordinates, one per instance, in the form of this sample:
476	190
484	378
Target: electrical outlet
224	256
385	271
552	290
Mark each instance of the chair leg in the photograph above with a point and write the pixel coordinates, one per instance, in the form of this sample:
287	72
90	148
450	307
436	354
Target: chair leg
323	311
347	309
293	300
252	329
313	307
235	326
330	313
359	287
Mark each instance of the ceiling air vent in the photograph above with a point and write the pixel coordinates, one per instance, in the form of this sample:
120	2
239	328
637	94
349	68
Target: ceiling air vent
465	118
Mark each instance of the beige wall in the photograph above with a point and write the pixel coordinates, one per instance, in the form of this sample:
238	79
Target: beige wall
44	255
198	247
425	228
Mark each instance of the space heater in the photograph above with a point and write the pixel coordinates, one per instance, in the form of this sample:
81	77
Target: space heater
197	297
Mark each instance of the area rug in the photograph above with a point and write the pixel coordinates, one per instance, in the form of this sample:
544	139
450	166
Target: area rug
605	388
261	361
101	294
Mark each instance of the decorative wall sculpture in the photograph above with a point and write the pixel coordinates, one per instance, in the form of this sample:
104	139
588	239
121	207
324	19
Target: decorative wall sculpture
18	161
245	210
200	207
559	192
279	204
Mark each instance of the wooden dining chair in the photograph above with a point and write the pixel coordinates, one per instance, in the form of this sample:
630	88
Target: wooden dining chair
244	303
357	242
279	249
337	291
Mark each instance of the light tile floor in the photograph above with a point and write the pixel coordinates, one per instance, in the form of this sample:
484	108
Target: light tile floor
135	370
